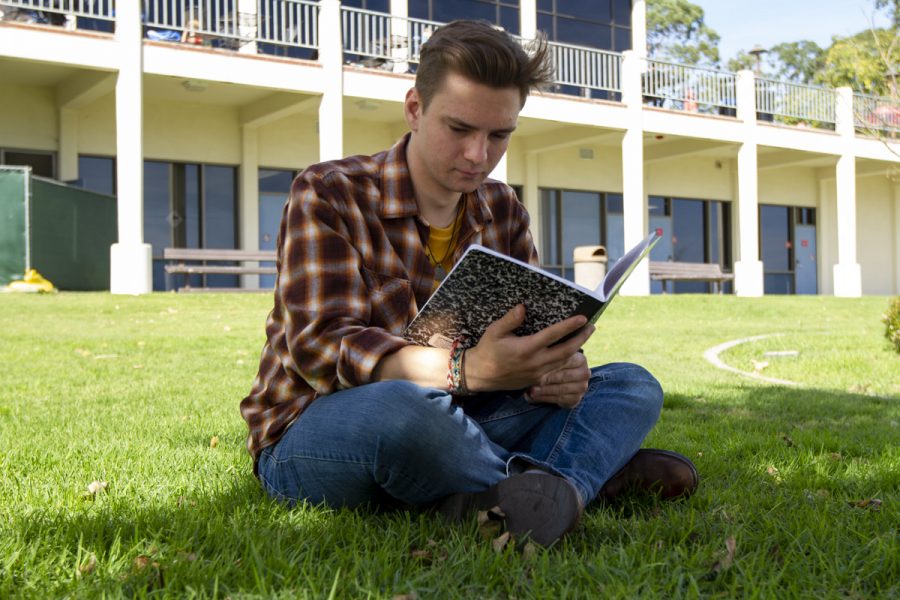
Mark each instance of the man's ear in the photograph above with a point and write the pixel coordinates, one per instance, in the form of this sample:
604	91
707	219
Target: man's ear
412	109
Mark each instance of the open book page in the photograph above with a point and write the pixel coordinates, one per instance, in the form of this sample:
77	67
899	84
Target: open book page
620	271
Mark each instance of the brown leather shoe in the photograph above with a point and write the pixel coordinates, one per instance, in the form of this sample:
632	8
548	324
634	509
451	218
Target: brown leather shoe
536	504
662	472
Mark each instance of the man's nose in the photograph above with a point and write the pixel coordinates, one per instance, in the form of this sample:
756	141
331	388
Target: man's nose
476	149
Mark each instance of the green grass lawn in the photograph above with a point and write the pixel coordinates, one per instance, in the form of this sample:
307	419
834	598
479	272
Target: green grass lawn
799	492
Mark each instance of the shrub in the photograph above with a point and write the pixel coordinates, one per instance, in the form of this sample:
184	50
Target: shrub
891	320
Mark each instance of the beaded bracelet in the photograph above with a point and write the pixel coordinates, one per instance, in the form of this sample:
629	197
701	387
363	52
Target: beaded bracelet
456	371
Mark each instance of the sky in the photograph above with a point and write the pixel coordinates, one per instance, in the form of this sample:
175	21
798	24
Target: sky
743	24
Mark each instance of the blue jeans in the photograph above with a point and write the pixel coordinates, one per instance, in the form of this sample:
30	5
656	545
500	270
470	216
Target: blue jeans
395	443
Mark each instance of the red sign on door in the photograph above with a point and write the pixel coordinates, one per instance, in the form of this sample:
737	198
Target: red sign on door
804	243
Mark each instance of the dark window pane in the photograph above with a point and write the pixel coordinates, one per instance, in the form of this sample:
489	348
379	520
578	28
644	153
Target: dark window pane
464	9
687	229
715	223
549	238
192	223
383	6
41	164
275	180
622	12
509	19
418	9
157	230
580	224
778	283
219	207
656	206
353	3
614	203
97	173
595	10
545	5
545	24
622	39
583	33
775	239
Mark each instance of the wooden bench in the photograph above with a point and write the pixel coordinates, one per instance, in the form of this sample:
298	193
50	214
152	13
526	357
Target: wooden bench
192	261
685	271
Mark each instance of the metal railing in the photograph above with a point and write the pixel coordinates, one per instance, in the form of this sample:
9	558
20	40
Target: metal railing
383	38
588	68
795	103
876	114
288	22
210	18
693	89
94	9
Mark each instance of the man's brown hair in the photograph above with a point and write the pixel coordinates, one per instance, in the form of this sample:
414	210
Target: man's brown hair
484	54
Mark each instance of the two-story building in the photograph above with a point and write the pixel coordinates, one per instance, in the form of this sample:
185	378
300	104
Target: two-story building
196	114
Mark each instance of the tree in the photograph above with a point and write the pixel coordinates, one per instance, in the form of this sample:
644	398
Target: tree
798	62
893	7
677	32
867	62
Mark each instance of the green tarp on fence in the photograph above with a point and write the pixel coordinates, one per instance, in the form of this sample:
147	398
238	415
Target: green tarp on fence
62	231
12	224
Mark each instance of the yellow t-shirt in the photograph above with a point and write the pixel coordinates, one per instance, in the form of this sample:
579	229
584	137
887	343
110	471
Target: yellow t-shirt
439	240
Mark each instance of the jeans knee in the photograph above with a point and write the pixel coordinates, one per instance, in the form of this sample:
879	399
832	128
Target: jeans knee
636	382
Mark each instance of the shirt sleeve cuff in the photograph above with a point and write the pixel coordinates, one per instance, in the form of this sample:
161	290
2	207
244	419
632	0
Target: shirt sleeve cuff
362	351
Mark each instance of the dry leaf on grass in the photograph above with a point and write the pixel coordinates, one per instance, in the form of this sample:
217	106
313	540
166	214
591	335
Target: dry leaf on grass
500	543
409	596
759	365
88	566
214	441
726	561
94	488
82	352
529	550
835	456
868	503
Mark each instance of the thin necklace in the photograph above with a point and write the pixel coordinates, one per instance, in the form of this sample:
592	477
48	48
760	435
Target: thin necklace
439	271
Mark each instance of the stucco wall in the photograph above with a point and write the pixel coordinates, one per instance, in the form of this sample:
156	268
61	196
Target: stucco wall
875	233
29	119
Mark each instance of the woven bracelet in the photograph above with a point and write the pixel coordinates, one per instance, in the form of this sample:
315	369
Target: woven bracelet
456	377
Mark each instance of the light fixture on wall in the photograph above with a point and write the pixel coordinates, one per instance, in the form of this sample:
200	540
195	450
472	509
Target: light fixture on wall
194	85
367	105
586	153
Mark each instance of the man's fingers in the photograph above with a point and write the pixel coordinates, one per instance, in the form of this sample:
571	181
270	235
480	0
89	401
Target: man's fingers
508	323
557	331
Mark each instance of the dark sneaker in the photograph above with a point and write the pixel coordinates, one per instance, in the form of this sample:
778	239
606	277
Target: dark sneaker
540	505
662	472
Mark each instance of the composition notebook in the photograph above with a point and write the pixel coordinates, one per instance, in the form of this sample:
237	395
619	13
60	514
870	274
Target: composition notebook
484	285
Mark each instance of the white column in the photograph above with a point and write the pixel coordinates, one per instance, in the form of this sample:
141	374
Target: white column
331	56
847	274
748	269
68	144
248	21
249	201
639	28
532	197
826	230
896	238
634	199
528	19
130	258
399	31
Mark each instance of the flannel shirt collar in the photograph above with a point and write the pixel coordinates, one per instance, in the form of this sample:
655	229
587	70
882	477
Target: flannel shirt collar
399	199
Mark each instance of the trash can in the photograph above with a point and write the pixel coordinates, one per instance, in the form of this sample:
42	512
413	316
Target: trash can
590	265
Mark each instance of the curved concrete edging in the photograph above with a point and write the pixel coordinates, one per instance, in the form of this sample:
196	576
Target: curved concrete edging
712	355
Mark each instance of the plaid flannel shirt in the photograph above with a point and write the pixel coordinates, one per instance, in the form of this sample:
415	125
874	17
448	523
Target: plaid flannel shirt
352	272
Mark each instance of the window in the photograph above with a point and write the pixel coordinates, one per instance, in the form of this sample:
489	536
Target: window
190	206
604	24
692	230
787	248
504	13
43	164
577	218
97	173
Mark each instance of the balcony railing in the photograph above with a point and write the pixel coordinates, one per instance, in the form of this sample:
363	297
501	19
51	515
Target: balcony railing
876	114
381	40
692	89
288	23
194	21
795	103
44	10
587	68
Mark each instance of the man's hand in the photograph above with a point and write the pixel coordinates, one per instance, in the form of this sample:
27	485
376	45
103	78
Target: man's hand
504	361
565	386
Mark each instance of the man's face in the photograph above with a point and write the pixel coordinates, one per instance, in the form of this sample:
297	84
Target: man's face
461	136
